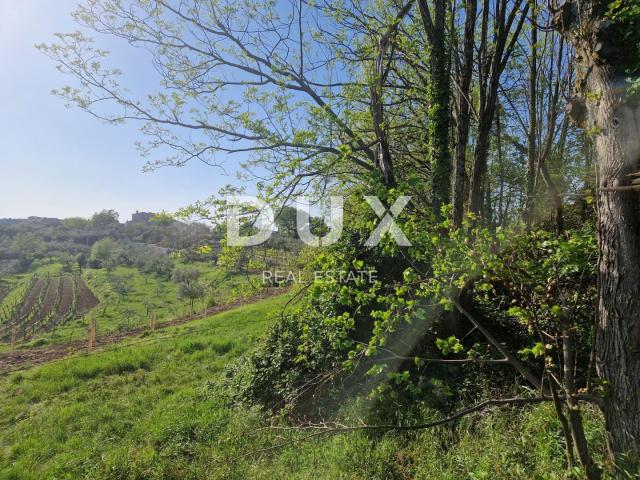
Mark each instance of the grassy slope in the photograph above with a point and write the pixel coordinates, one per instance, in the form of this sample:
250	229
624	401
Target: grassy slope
134	408
145	411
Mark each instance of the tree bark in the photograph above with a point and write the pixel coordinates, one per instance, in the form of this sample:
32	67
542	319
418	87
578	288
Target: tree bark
439	100
440	111
532	133
605	108
618	334
480	155
463	114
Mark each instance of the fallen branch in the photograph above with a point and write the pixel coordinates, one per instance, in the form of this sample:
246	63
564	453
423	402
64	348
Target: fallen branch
517	364
329	429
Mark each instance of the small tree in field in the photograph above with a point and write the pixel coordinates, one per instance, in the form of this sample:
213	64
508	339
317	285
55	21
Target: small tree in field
104	253
190	291
81	260
185	275
188	286
121	286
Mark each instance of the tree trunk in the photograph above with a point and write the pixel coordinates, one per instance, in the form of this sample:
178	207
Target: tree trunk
532	133
588	181
463	116
480	155
501	211
439	94
383	156
618	334
606	109
492	61
482	141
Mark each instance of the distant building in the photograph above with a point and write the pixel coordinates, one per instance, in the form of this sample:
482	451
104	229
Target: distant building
142	217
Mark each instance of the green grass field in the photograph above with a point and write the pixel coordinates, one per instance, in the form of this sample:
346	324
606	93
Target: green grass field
132	411
150	409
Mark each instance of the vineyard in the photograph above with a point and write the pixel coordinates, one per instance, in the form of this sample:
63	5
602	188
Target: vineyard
5	288
41	304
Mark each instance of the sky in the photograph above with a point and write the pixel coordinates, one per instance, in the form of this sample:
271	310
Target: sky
60	162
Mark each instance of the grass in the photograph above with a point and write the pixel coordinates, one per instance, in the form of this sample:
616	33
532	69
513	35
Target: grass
150	409
117	412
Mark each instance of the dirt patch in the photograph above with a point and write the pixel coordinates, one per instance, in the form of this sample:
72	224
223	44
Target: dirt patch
86	299
45	308
15	323
31	300
67	296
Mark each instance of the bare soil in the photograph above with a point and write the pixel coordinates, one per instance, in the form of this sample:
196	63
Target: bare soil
67	296
47	305
31	300
86	299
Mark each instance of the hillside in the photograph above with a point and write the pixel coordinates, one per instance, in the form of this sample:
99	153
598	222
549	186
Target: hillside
47	305
82	417
388	240
154	408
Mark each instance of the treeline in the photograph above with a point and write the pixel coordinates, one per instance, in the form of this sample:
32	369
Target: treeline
71	240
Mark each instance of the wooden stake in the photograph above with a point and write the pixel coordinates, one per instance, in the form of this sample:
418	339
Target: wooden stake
13	340
154	320
92	336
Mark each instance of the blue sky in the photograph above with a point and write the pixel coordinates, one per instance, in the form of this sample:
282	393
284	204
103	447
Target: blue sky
61	162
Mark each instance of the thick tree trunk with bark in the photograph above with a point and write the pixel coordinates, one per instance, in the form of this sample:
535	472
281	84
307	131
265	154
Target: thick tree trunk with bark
604	106
618	335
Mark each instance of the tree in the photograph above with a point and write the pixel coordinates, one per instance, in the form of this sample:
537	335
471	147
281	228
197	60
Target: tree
121	286
192	291
606	38
274	75
161	265
28	247
439	100
493	56
463	107
104	253
188	285
67	261
163	219
286	221
76	223
105	220
81	261
185	275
